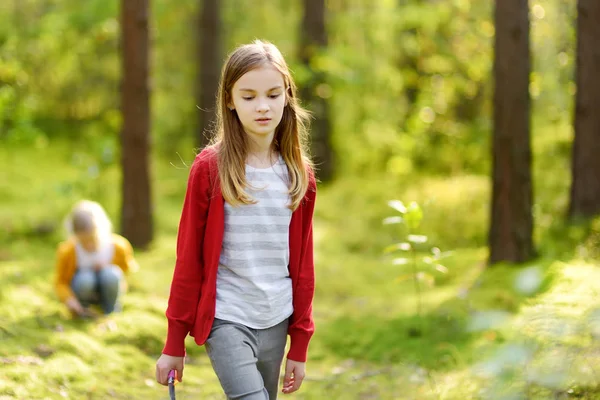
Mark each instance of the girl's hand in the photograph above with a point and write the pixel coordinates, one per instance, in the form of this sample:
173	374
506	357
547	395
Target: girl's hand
74	305
98	267
294	375
165	364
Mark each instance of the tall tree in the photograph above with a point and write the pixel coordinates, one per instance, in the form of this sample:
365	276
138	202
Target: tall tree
585	187
208	57
136	210
314	92
510	235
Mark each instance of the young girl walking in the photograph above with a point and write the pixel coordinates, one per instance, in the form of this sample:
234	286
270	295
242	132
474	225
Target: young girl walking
244	275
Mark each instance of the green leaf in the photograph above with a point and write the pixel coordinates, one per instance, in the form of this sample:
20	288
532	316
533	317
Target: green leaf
414	207
397	205
403	278
397	246
400	261
440	255
413	215
404	246
390	249
417	238
441	268
426	278
393	220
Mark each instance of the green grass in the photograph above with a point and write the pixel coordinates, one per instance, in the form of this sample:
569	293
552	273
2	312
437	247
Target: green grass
478	335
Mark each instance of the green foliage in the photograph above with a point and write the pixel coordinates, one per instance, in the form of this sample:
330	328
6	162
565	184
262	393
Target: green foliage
591	247
58	70
548	344
91	173
409	83
422	268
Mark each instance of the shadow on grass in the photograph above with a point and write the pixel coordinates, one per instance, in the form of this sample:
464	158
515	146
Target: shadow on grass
433	341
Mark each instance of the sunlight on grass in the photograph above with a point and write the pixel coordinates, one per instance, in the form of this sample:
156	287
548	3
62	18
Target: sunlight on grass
369	344
455	209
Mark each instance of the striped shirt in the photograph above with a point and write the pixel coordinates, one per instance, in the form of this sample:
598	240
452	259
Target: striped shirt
253	283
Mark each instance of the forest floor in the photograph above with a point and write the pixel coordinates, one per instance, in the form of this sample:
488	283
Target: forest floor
520	332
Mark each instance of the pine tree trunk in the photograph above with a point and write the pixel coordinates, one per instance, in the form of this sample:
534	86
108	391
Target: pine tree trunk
585	187
314	93
208	66
136	211
510	236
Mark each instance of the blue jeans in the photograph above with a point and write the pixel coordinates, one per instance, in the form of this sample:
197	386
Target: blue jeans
247	361
98	287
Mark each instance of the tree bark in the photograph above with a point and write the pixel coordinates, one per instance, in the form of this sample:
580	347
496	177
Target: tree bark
136	210
315	92
585	168
209	67
510	235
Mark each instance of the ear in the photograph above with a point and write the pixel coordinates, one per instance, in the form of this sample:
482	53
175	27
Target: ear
229	102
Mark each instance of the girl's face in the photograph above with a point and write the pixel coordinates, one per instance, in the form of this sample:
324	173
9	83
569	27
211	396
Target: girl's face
259	99
88	240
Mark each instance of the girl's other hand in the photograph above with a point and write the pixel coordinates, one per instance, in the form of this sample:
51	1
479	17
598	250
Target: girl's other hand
294	375
98	267
165	364
74	306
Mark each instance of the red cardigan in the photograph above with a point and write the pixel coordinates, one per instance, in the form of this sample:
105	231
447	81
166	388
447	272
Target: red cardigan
191	307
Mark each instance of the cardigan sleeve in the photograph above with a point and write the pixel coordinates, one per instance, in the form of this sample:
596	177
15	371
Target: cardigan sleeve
125	259
187	276
303	327
65	258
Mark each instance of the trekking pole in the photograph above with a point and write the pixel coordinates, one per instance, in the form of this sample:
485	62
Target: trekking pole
171	383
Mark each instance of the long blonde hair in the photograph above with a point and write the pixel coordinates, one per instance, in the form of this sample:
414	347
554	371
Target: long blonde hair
88	216
231	141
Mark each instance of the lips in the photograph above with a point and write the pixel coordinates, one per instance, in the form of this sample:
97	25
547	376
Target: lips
262	119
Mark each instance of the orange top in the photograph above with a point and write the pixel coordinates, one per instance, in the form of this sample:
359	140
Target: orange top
66	263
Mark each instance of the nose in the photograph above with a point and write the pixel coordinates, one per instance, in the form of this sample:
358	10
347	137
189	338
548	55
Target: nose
262	106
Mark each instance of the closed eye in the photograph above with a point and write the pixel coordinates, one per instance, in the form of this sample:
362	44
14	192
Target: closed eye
271	96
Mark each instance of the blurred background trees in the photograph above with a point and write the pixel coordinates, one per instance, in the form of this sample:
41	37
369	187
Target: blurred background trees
136	206
315	90
209	59
585	188
398	89
511	230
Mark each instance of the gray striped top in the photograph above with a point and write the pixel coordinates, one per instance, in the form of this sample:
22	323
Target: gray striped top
253	283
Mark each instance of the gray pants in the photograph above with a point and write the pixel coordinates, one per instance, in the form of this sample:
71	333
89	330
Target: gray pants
247	361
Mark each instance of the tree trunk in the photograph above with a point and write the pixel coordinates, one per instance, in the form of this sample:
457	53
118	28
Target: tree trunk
585	187
209	67
136	211
316	91
510	236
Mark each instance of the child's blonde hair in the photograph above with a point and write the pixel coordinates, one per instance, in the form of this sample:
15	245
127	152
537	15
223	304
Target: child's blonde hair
231	141
88	216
